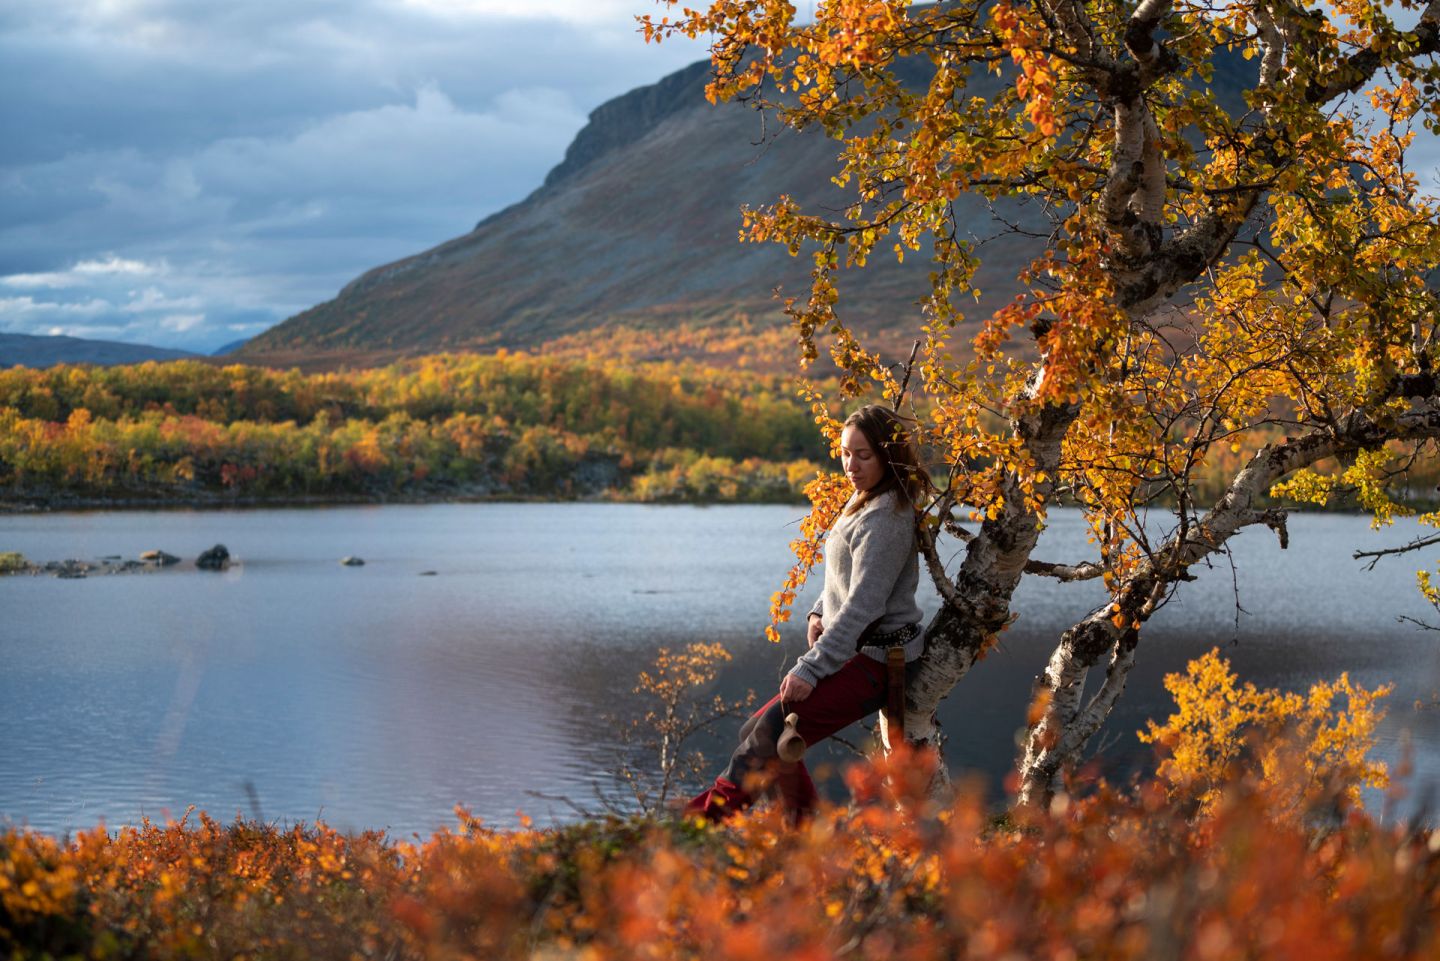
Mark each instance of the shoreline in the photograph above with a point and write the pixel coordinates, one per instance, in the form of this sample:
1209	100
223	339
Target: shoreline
12	504
21	504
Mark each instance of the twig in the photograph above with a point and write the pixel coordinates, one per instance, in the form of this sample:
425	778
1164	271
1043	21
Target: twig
905	383
1414	545
562	799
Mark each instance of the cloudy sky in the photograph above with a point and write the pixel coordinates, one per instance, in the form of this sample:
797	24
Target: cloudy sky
187	173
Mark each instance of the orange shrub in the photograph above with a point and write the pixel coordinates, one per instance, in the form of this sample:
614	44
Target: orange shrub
1310	748
1115	875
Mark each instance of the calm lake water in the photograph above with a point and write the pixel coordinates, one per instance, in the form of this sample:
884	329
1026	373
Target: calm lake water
293	688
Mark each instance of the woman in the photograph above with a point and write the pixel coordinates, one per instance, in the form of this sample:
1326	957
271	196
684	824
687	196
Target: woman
868	605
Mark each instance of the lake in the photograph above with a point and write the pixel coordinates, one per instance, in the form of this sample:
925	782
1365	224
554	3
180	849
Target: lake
292	688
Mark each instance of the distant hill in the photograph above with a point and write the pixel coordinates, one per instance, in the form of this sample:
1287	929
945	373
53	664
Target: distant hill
27	350
637	226
230	348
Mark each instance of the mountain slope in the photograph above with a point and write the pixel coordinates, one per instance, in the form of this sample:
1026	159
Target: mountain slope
637	225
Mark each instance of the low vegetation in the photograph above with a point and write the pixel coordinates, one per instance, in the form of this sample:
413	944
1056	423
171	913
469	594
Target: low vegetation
1207	860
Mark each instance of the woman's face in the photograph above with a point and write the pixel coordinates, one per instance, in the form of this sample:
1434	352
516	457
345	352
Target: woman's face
859	459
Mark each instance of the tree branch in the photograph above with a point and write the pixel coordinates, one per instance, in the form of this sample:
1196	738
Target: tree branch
1074	24
1415	545
1126	167
1359	67
1088	722
1235	509
1140	31
926	536
1272	46
1084	571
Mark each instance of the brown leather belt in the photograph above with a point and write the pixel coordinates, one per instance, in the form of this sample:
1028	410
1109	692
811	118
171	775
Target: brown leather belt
895	695
894	643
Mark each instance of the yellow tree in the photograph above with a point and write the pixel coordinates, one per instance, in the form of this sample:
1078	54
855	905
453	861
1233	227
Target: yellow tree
1214	275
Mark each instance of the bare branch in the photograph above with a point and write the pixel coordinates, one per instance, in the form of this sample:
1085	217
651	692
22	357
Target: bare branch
1149	202
1127	166
1415	545
1075	25
1079	733
1084	571
1140	32
905	384
926	536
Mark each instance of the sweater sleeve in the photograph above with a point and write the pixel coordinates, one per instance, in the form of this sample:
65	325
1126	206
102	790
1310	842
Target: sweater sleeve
880	546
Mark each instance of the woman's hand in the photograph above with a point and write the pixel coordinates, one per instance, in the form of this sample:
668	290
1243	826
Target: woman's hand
815	627
794	689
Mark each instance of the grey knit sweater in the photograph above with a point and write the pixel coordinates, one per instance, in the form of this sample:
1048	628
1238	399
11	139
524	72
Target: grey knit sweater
871	572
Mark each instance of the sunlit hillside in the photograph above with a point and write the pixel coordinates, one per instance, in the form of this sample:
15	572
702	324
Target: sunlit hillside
506	425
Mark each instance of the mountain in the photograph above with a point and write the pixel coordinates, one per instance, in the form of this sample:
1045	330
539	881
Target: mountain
638	226
229	348
31	351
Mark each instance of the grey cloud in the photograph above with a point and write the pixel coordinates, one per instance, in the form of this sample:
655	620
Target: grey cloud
418	168
154	300
268	152
83	274
262	67
250	225
390	151
28	307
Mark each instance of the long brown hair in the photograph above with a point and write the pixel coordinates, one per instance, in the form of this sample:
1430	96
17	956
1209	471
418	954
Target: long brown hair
892	438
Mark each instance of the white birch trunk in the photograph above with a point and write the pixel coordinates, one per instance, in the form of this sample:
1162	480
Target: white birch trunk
1059	738
1150	271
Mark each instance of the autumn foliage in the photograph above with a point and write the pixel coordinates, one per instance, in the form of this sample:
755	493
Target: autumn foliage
1224	251
1309	746
446	425
1140	873
1114	875
661	760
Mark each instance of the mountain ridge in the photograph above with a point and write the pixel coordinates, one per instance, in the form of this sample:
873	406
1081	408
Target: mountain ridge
638	226
48	350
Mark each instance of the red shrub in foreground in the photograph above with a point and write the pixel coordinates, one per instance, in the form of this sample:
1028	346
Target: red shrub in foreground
1114	875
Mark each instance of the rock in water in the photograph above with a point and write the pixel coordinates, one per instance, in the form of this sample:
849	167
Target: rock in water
69	568
352	561
160	557
216	558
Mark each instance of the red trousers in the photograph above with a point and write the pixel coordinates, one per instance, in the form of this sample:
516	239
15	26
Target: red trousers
851	693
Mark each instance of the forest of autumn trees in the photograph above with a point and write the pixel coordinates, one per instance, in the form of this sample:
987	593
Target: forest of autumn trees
1215	276
504	425
597	416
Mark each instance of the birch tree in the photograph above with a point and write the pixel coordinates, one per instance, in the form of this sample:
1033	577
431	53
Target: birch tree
1237	286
